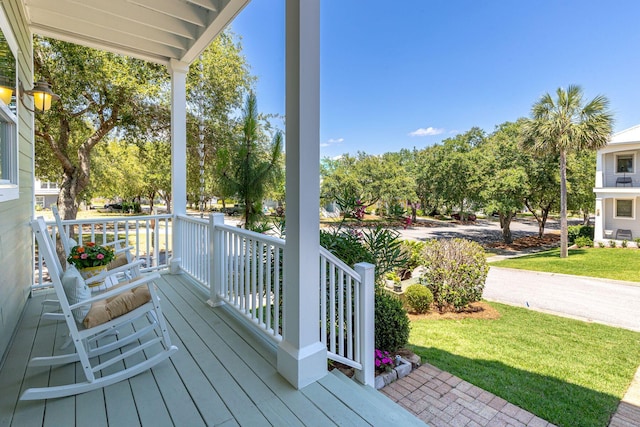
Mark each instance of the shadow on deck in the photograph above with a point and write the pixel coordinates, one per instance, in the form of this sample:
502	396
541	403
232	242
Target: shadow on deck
222	375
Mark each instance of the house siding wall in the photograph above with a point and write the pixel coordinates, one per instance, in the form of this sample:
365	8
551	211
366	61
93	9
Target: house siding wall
612	223
16	247
610	174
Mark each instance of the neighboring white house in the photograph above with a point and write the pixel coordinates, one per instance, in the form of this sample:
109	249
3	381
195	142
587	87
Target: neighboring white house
618	188
46	193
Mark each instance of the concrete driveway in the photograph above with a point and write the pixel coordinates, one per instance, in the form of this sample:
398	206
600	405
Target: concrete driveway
610	302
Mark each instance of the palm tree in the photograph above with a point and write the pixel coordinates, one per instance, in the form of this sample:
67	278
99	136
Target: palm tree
256	164
567	125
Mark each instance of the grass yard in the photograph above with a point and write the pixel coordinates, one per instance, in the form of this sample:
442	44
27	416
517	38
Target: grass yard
569	372
607	263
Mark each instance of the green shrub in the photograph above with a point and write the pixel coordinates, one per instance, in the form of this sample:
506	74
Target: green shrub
346	245
625	243
456	272
583	241
412	250
396	211
391	322
576	231
637	240
378	246
612	243
419	298
601	244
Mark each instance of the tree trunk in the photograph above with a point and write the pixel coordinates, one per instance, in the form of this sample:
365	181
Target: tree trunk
505	224
69	190
564	231
585	218
543	220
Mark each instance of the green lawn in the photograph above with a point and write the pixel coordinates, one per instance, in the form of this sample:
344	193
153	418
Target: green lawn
607	263
570	373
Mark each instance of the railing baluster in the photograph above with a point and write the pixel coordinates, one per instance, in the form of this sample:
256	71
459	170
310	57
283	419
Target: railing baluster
349	319
332	308
261	293
269	292
323	299
276	288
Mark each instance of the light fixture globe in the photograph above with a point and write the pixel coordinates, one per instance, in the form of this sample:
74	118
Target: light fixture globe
42	96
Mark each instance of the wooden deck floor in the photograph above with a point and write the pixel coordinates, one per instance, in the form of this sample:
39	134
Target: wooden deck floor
221	375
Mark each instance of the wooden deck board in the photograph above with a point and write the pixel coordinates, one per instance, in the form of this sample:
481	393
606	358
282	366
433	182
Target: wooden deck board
222	375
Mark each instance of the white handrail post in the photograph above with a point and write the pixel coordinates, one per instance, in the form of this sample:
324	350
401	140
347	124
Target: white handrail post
216	260
366	271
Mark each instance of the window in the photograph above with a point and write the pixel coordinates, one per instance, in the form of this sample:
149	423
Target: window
625	208
8	121
624	163
39	202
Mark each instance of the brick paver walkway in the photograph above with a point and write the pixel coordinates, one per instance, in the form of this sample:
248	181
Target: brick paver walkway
628	412
442	400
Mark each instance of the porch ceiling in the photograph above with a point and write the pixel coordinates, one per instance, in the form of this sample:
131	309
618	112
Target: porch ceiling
153	30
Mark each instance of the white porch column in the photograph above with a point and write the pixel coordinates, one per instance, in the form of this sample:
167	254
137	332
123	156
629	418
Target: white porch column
178	71
302	358
598	231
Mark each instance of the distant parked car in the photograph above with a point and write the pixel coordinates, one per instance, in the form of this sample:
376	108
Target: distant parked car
111	207
458	216
233	210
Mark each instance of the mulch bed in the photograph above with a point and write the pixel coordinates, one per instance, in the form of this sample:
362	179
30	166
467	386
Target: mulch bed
475	310
528	242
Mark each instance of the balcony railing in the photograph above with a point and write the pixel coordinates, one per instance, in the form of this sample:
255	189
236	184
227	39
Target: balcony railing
245	271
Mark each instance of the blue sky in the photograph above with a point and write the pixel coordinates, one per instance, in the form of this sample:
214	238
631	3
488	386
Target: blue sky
411	73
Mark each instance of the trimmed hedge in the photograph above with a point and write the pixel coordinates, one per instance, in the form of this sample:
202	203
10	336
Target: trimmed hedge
419	298
391	322
575	231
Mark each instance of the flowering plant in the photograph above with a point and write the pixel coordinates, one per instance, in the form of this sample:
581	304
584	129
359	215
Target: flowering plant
90	255
383	360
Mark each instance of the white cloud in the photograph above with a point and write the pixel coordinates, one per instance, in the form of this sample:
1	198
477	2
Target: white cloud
426	131
331	141
337	157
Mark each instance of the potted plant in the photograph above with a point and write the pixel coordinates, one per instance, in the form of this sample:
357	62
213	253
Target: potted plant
393	280
91	259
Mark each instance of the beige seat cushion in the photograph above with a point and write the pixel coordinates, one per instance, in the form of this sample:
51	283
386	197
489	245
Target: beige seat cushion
107	309
118	261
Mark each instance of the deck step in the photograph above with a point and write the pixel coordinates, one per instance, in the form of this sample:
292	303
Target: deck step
373	406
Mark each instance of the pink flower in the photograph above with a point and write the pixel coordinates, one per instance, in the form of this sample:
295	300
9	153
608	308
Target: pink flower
84	256
100	256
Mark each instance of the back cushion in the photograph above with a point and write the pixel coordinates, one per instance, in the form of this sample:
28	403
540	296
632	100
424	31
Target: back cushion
76	291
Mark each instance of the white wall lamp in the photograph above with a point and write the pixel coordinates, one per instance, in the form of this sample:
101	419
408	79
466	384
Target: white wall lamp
42	96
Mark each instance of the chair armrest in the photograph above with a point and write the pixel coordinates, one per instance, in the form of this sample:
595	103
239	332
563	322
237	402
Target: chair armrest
120	242
100	277
124	249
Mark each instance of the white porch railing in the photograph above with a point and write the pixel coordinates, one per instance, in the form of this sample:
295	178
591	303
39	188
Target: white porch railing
195	248
249	275
347	314
245	270
149	235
